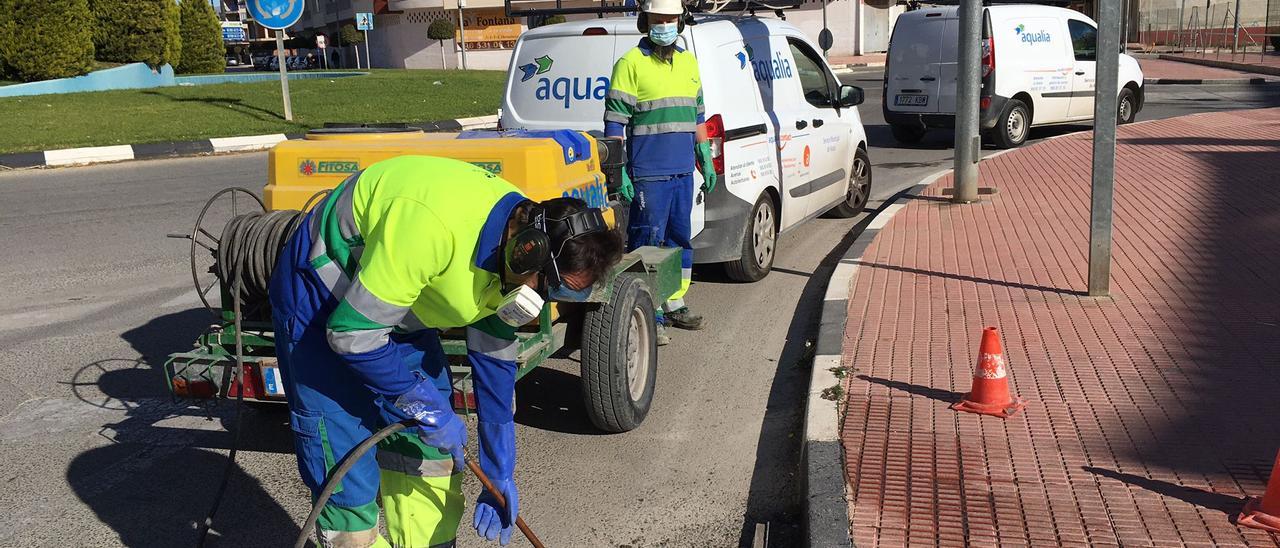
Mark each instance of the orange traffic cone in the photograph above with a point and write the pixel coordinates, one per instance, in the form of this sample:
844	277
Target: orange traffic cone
1264	513
990	392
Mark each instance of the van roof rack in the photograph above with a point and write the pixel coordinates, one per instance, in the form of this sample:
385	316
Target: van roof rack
543	8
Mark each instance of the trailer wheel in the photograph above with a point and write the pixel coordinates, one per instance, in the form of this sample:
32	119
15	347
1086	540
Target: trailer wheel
620	357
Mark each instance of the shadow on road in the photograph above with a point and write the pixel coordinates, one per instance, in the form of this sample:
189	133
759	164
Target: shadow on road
777	482
155	482
973	279
1226	504
549	399
937	394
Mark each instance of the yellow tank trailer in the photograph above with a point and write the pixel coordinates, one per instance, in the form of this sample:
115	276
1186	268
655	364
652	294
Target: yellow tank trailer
615	330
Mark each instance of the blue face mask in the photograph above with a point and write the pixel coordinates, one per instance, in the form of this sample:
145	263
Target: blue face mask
663	34
566	294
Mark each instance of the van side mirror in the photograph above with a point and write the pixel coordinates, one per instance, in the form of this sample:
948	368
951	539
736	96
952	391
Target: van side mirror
850	96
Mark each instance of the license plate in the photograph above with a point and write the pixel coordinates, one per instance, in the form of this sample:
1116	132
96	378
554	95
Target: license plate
911	100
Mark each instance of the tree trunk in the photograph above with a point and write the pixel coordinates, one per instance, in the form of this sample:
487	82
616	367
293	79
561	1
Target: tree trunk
443	64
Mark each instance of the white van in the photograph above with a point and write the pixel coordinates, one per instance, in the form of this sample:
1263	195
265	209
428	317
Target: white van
1037	66
787	136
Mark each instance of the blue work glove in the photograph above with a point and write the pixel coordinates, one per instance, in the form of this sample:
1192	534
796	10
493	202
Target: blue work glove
498	460
708	166
626	189
438	425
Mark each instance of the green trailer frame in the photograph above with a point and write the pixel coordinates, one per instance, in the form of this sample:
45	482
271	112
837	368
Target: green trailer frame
642	279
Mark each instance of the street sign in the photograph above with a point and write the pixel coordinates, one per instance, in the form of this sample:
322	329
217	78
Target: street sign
364	21
232	32
320	41
275	14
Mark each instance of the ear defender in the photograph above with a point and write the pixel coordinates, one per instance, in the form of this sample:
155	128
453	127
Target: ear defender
528	251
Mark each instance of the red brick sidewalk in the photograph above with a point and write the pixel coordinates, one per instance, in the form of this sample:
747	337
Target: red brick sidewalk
1166	69
1151	413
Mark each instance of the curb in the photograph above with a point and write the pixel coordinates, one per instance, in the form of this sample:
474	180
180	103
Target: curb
1206	81
826	505
177	149
851	67
1256	69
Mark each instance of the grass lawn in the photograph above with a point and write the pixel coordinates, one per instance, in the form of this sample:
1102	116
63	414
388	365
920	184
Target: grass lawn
183	113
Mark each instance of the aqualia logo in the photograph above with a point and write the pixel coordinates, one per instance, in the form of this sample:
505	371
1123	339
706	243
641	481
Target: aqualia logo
564	90
768	70
595	194
1030	37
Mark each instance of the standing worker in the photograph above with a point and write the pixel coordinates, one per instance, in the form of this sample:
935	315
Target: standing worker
655	102
410	246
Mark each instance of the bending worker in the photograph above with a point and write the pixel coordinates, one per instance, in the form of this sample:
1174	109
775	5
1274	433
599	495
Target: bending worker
410	246
655	102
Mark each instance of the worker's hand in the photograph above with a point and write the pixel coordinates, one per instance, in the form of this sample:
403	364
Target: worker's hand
626	189
492	521
438	425
707	165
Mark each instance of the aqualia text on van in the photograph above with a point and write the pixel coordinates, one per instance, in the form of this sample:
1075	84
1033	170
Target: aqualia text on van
567	90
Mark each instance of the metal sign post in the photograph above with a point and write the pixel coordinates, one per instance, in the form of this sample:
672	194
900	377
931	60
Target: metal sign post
278	15
462	33
321	44
284	76
364	22
1104	147
968	144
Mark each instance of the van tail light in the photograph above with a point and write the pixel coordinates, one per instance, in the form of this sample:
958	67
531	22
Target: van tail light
988	57
984	103
595	31
715	135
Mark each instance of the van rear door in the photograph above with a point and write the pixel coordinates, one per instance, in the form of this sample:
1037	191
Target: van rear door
559	80
915	53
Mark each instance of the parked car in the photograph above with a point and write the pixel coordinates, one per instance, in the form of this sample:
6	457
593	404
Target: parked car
1037	69
786	134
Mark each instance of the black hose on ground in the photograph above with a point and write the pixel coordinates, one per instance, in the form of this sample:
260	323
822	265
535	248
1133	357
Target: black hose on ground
247	253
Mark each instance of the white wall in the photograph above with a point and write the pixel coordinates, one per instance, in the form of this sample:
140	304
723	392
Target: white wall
400	40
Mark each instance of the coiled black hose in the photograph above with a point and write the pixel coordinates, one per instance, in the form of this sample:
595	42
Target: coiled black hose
250	245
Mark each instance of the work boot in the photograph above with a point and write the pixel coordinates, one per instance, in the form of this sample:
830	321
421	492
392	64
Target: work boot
661	339
683	319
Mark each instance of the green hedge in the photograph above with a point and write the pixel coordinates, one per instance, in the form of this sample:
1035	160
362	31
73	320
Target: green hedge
43	39
202	48
137	31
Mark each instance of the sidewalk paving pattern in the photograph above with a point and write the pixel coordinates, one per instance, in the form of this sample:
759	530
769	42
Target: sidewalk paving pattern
1162	69
1151	414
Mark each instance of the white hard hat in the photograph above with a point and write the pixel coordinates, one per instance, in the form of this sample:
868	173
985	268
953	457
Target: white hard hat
662	7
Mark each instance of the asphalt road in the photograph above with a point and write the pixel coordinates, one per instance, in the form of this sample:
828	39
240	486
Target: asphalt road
96	454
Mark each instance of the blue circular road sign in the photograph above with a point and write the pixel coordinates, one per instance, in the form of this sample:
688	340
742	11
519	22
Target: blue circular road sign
275	14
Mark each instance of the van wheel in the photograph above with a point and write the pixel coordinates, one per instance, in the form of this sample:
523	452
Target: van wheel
859	188
907	135
758	244
1126	107
1014	125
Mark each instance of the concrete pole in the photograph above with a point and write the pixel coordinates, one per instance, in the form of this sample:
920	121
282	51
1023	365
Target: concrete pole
1104	147
1235	30
284	76
462	34
1182	13
968	144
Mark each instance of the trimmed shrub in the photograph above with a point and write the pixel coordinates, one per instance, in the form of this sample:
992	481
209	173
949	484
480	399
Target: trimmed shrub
137	31
54	39
202	48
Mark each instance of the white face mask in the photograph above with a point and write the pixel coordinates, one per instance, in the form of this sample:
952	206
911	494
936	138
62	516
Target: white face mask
664	34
